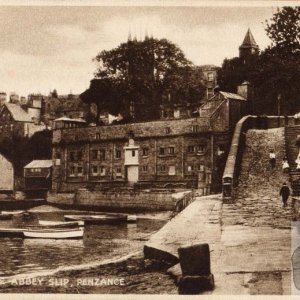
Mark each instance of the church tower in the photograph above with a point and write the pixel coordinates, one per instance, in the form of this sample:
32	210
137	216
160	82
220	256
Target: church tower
249	46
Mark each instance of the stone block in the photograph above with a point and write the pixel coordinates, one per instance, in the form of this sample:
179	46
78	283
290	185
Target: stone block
194	260
192	285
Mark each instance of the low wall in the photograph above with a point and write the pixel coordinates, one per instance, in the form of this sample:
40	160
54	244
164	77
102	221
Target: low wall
61	198
133	200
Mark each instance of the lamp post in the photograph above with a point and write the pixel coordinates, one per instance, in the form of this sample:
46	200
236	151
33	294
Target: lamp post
278	104
278	108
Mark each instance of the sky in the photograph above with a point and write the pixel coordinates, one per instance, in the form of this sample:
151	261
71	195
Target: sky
51	47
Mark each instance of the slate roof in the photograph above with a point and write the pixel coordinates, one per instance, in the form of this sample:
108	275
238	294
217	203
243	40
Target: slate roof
44	163
232	96
18	113
249	40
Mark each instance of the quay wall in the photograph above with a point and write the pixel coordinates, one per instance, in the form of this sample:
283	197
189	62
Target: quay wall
133	200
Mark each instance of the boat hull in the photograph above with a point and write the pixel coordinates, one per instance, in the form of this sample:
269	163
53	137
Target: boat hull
54	234
11	232
56	224
98	219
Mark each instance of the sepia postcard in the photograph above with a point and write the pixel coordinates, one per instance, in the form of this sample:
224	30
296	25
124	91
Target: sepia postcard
149	149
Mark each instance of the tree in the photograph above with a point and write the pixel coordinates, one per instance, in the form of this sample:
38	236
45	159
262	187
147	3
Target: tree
135	77
275	72
284	29
235	71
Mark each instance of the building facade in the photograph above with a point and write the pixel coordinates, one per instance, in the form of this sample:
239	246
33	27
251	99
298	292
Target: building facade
184	153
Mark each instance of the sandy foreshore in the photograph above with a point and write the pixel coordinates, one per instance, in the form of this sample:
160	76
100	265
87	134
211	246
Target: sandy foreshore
131	276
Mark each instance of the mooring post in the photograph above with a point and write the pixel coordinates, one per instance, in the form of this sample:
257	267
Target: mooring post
195	266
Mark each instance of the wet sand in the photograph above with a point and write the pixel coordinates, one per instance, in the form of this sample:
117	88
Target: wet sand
132	276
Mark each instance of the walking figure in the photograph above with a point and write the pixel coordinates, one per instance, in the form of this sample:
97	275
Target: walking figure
284	193
272	157
285	165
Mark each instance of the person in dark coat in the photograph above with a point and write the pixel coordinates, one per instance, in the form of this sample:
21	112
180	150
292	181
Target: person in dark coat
284	193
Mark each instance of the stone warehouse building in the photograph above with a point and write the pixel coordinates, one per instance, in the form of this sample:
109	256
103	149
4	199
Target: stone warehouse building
180	152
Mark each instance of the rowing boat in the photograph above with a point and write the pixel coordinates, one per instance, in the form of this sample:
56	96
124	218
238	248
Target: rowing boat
47	233
61	224
99	218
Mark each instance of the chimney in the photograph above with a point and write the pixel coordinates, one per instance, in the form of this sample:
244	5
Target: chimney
244	90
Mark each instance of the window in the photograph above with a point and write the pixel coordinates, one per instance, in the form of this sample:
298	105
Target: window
167	130
102	154
201	168
171	150
98	136
118	172
11	127
190	168
191	149
145	151
118	153
133	153
161	151
162	168
172	170
200	148
195	128
94	154
80	171
102	171
95	170
145	168
79	155
72	171
72	156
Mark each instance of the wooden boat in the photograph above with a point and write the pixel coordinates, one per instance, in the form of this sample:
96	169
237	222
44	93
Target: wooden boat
61	224
98	219
131	218
11	232
13	212
5	216
47	233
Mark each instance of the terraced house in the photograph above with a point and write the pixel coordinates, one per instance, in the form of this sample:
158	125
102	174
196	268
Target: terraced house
185	152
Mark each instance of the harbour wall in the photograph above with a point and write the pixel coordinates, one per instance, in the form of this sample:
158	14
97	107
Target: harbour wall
133	200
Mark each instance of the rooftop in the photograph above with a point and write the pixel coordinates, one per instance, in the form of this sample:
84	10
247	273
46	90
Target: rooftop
44	163
66	119
232	96
18	113
249	40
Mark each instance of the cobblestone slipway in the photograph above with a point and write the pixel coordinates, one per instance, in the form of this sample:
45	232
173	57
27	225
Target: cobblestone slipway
249	240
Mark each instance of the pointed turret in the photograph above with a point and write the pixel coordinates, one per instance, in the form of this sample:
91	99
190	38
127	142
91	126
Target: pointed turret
248	46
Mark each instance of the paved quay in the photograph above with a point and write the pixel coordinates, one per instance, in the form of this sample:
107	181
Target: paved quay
250	240
244	259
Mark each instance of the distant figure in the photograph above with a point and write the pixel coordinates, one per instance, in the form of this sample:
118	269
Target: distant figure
284	193
272	157
297	161
285	165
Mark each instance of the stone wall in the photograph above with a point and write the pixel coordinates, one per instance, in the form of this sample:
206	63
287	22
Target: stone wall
121	199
